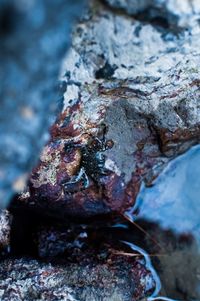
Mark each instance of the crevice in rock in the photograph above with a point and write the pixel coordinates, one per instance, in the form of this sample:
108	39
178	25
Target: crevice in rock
153	16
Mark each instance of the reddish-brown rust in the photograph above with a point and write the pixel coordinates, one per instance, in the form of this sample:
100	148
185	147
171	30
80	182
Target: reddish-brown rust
62	129
168	139
72	178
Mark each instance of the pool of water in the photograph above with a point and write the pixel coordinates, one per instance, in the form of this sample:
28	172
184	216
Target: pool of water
167	219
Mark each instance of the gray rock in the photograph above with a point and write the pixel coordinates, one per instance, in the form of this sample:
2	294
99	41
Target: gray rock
153	70
5	228
34	37
107	274
74	262
131	83
175	13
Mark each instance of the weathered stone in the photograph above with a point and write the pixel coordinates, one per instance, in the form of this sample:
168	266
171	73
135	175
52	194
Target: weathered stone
81	271
74	262
174	13
169	211
131	105
5	226
34	37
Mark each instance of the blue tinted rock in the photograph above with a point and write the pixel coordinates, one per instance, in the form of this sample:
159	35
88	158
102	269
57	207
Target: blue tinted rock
173	199
175	13
34	37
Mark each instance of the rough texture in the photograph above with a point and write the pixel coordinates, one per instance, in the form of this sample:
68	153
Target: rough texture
34	37
178	13
175	224
95	271
131	105
70	262
5	227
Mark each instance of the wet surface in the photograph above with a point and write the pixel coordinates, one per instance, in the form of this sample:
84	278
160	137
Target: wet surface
169	213
162	230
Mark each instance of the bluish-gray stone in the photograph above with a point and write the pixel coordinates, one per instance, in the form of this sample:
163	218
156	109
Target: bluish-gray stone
34	36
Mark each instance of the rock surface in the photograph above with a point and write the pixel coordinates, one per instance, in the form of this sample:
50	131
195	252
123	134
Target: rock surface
5	228
175	224
178	13
34	38
131	105
77	265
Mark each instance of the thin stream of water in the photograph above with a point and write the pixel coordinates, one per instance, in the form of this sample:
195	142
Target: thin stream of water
148	265
153	272
169	212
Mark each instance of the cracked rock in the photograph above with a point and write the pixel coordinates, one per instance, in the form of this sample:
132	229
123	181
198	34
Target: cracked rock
174	13
5	227
131	105
78	268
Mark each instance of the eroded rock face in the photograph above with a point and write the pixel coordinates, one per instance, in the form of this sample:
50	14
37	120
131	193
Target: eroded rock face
131	105
84	269
5	228
34	38
70	262
175	14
